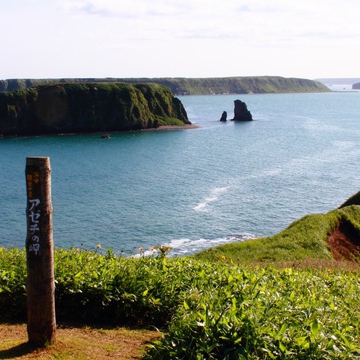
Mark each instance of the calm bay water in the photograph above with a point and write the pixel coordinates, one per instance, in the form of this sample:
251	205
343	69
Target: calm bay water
193	189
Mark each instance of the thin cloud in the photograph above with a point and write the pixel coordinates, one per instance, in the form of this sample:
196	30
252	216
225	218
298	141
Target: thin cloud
181	38
92	9
254	22
134	8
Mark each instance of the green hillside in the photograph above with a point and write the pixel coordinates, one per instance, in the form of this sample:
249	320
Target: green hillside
88	107
332	236
193	86
252	301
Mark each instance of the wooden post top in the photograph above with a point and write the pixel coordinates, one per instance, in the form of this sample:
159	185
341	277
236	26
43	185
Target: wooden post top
38	160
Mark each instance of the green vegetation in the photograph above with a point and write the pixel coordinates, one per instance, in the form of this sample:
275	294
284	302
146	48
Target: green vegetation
265	313
213	310
241	85
194	86
352	200
88	107
303	239
282	297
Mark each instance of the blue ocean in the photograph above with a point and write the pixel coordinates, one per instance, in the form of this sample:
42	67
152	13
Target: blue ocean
197	188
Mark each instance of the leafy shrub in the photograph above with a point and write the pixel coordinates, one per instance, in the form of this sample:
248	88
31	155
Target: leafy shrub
118	290
91	287
12	283
267	314
208	310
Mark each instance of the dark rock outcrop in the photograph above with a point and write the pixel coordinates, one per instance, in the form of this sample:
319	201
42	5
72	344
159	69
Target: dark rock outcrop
241	112
356	86
90	107
223	116
353	200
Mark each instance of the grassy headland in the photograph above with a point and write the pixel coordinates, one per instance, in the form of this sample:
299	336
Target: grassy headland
88	107
288	296
307	238
193	86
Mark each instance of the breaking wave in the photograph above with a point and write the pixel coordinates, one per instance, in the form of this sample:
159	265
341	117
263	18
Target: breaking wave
183	247
214	195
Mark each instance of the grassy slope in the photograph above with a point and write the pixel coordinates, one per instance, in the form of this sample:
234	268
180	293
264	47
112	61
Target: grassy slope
304	239
194	86
217	311
88	107
242	85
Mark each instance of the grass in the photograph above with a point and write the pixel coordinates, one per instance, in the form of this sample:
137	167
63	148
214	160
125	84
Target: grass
100	107
282	297
76	343
266	313
168	121
304	239
207	310
196	86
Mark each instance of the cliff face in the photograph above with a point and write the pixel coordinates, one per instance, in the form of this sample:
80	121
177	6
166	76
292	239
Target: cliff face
193	86
88	107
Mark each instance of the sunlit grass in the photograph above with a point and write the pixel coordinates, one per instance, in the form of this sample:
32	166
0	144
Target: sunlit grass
282	297
304	239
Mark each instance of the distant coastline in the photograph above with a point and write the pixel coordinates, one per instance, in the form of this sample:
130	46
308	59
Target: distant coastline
191	86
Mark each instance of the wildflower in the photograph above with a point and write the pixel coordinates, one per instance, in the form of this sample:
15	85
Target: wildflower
141	248
99	246
163	250
151	248
223	257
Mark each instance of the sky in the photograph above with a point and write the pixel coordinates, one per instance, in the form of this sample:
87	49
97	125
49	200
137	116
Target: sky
179	38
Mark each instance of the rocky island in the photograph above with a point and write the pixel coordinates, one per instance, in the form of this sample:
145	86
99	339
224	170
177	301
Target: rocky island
241	112
88	107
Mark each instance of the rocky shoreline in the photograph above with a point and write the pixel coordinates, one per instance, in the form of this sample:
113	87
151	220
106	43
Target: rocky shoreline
174	127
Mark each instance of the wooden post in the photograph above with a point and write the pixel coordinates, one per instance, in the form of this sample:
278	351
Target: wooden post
41	325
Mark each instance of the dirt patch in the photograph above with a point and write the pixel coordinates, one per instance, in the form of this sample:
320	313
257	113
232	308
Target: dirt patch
77	343
344	243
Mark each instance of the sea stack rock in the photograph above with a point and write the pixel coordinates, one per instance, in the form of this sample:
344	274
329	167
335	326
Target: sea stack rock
223	116
241	112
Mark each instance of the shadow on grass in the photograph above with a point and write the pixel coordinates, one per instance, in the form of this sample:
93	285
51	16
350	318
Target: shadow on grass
18	350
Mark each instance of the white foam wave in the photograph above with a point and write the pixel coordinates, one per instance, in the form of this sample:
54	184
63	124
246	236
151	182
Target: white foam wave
215	193
148	253
186	247
182	247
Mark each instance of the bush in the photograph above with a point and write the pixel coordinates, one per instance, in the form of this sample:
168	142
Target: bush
266	314
208	310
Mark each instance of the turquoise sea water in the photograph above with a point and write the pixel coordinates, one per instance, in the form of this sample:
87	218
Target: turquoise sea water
193	189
